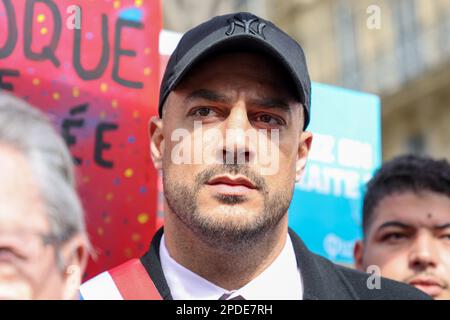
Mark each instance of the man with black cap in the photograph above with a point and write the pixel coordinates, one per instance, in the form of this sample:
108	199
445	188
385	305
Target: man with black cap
230	140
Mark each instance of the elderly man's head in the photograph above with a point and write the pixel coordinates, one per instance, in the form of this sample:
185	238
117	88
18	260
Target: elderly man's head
43	243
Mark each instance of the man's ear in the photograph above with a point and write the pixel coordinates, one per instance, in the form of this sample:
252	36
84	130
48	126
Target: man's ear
358	252
156	141
302	155
74	254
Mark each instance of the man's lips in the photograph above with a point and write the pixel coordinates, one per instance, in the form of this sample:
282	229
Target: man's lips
429	285
232	181
231	185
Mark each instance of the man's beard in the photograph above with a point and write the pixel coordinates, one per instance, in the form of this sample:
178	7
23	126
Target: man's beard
225	235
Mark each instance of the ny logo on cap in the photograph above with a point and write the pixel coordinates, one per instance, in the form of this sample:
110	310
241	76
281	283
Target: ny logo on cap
247	26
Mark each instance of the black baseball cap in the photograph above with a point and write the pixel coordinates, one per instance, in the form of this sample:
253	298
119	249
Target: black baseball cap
238	32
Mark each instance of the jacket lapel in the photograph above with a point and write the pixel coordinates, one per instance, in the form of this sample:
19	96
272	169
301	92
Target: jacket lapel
321	279
152	264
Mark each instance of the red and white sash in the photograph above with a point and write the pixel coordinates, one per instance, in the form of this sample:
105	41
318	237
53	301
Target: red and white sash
129	281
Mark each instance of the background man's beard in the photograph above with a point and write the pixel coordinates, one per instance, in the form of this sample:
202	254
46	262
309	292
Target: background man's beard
226	236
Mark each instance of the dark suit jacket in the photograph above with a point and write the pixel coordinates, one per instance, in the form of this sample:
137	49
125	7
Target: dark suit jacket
321	278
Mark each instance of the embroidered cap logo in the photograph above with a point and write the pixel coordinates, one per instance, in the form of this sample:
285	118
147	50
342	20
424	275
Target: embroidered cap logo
247	26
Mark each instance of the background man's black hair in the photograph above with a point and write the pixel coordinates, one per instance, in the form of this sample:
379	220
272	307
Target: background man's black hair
407	173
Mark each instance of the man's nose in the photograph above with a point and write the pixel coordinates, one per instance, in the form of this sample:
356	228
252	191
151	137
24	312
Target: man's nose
239	137
423	253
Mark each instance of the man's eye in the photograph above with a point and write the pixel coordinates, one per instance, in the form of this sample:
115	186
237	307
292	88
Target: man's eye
204	112
446	237
395	236
266	118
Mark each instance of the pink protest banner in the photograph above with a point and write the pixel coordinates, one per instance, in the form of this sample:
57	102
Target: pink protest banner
93	66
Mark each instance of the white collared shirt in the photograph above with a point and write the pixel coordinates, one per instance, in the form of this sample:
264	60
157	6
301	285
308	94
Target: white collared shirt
280	281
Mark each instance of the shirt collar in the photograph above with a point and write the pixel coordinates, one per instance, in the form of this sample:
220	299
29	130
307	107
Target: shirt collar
281	280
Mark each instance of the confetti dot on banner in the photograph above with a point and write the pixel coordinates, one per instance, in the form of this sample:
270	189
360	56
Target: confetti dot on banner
100	231
44	30
76	92
104	87
135	114
86	179
147	71
143	189
41	18
102	115
136	237
131	139
36	81
109	196
142	218
128	173
56	96
89	36
116	4
107	219
138	3
115	104
128	253
147	51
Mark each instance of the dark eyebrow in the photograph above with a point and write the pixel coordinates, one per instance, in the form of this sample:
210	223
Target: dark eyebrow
394	224
269	103
272	103
443	226
207	95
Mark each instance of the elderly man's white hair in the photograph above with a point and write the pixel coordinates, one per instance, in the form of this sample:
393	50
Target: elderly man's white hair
29	131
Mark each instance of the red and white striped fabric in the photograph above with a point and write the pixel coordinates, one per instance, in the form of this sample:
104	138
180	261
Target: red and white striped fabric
129	281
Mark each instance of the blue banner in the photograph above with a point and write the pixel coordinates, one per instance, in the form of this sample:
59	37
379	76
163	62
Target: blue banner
346	149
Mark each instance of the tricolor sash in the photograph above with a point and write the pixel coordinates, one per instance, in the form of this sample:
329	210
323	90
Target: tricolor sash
129	281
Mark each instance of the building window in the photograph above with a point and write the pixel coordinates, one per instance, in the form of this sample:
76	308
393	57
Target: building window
346	44
406	38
